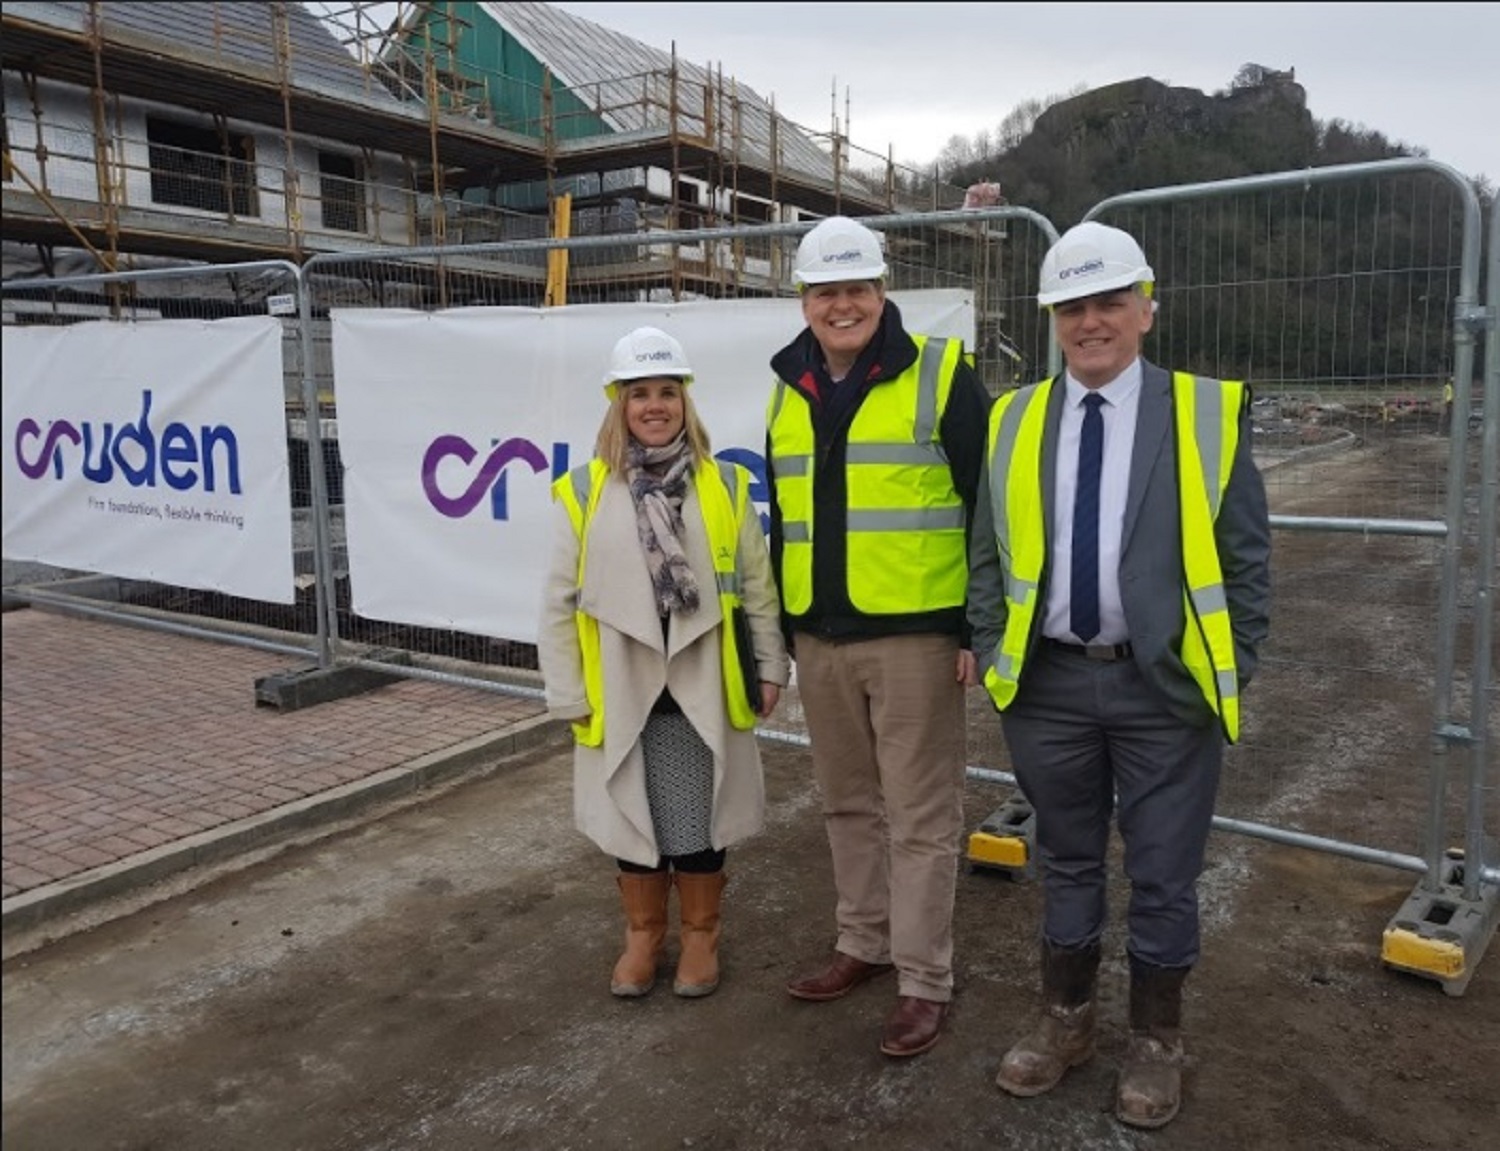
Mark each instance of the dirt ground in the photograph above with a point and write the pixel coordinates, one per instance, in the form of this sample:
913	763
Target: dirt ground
437	977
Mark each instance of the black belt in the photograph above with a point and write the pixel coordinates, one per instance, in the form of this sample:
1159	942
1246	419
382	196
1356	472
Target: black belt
1105	651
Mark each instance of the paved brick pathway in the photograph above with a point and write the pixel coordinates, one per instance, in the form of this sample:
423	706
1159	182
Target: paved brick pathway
117	740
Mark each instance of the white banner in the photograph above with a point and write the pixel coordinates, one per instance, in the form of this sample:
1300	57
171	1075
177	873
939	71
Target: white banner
452	426
152	451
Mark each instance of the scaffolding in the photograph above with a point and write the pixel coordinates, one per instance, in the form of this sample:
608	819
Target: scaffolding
430	149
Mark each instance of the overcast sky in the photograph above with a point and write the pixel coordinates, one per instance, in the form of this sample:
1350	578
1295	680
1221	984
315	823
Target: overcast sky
1422	74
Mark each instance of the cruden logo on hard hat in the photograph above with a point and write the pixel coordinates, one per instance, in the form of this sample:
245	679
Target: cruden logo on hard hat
843	257
1094	265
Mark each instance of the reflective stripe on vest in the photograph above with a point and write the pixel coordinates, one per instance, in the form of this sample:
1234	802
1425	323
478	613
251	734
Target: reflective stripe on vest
723	500
1017	421
1208	427
904	519
1206	416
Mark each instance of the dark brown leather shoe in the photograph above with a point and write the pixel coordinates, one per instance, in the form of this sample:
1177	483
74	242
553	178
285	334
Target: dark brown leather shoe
836	980
913	1027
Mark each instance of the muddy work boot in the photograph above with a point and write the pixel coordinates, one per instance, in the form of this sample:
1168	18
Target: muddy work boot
1064	1035
1149	1093
645	899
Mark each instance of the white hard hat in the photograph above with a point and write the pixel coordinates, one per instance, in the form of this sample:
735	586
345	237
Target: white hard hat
838	249
1091	258
645	354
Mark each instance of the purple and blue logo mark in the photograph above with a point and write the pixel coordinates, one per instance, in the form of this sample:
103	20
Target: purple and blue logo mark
491	475
490	479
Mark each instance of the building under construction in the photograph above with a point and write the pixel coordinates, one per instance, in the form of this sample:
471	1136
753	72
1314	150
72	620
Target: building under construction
230	132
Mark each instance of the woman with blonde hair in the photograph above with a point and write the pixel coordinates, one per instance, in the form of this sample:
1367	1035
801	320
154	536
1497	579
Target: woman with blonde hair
660	640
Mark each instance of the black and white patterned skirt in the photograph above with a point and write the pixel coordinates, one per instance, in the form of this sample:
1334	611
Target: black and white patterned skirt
679	784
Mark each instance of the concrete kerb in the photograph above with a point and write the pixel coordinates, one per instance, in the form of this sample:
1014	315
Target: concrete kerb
1345	441
30	909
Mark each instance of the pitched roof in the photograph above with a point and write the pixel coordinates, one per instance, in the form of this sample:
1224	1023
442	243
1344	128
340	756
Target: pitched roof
237	33
612	67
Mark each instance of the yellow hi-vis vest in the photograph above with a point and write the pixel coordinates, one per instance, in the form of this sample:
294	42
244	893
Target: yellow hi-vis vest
1207	421
905	519
724	498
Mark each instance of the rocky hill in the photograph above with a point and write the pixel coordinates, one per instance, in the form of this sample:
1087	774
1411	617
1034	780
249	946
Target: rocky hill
1144	134
1360	274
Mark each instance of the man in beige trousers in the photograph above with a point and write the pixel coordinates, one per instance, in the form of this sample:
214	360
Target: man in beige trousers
875	442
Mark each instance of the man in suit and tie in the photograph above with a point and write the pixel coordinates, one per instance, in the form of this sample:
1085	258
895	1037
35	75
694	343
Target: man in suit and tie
1119	589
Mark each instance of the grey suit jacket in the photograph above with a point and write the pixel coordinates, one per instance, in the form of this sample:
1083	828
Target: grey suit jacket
1150	553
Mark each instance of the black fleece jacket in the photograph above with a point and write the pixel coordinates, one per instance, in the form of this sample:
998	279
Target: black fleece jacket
962	431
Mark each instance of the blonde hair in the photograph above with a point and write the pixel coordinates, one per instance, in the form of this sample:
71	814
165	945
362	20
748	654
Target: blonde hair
614	433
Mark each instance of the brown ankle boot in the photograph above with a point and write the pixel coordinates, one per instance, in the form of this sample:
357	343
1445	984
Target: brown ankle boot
645	899
1064	1036
699	895
1150	1088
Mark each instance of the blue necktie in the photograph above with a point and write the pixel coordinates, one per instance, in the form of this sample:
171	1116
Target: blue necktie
1084	601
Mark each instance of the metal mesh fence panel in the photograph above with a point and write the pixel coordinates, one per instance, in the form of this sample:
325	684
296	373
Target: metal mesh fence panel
1341	297
934	250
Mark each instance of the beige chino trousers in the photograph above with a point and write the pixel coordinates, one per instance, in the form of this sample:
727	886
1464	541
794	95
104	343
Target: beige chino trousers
886	722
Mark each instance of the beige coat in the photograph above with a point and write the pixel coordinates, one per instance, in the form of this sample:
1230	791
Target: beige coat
609	782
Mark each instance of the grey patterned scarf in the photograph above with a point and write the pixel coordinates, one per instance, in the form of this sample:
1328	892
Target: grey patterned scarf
658	479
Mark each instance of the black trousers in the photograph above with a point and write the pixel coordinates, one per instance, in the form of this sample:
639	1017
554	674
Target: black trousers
698	863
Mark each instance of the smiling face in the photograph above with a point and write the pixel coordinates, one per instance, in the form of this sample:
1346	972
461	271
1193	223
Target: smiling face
844	318
654	411
1101	335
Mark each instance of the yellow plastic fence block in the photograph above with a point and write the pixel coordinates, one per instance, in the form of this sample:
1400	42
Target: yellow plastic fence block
1414	952
997	850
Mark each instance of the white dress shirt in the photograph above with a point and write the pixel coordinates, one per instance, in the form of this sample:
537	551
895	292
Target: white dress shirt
1121	403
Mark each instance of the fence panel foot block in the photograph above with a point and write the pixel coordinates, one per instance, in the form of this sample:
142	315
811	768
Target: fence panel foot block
1440	934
